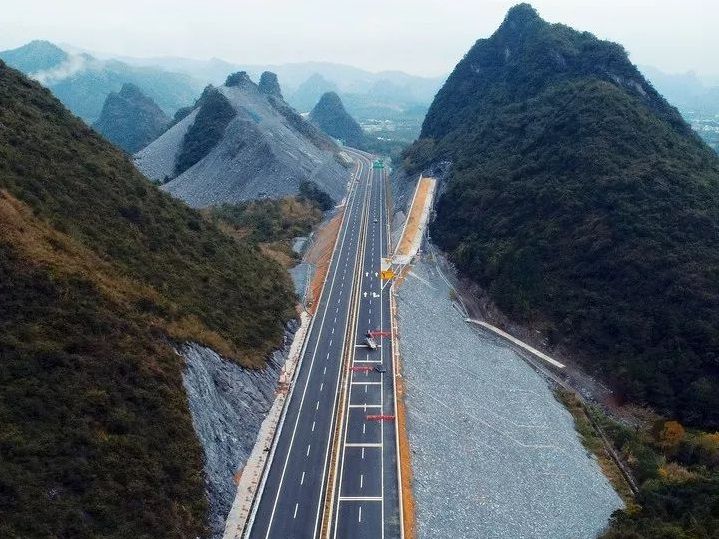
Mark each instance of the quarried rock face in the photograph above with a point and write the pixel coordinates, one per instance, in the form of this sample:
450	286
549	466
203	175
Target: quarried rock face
228	404
249	145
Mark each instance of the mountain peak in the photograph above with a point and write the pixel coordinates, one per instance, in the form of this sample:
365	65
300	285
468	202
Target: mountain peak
270	85
521	17
35	56
43	45
330	99
240	78
522	14
130	90
331	116
131	120
540	104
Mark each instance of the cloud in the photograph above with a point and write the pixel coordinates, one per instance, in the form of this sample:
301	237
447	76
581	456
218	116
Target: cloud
73	64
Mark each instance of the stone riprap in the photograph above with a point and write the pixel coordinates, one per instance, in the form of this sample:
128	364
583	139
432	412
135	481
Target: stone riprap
494	454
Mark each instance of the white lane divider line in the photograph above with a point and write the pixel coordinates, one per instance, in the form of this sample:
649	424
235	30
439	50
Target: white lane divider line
361	480
366	444
359	516
313	426
308	450
294	515
322	385
317	406
302	479
365	406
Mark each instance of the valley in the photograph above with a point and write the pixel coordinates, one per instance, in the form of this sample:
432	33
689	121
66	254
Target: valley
269	297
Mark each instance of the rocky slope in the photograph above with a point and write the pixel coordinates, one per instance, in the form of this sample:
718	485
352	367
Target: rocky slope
536	480
247	144
102	276
131	120
82	82
329	114
228	404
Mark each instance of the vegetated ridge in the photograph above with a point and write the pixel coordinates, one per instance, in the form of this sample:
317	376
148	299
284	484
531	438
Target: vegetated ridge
242	142
588	209
100	273
131	120
329	114
270	85
213	115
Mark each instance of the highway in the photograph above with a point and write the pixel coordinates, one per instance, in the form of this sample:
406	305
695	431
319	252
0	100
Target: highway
365	503
350	469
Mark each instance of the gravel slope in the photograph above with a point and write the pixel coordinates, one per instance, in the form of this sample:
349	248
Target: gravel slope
494	454
262	154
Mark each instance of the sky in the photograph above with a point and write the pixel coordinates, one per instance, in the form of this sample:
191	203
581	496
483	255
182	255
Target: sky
423	37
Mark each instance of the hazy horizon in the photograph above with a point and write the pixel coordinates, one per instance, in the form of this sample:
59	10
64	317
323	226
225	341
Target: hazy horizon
422	37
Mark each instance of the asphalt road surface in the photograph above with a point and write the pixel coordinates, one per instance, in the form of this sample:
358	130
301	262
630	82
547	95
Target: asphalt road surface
362	482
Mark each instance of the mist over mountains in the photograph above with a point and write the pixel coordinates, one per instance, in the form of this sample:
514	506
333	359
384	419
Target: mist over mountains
340	77
82	82
391	103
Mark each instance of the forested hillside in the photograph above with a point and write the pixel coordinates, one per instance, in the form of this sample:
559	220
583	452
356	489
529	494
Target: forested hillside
583	201
589	210
100	272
